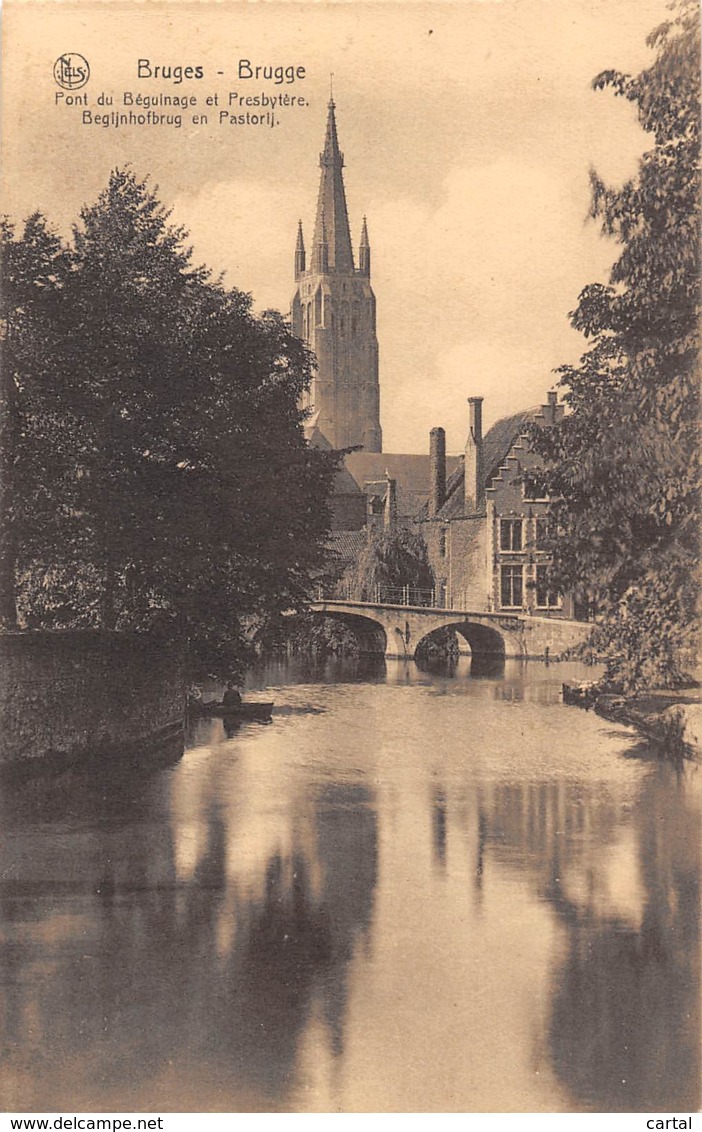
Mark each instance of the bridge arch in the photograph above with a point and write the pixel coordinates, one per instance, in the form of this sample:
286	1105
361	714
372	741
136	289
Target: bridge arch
484	640
370	631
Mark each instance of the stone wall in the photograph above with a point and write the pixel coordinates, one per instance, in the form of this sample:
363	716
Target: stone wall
553	636
458	556
87	693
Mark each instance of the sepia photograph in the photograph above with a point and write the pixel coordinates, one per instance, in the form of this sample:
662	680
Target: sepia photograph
350	731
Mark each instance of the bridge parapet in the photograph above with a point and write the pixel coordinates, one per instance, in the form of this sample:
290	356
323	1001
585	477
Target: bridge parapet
384	595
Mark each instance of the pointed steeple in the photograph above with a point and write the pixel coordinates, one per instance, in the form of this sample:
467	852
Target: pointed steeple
300	257
331	203
364	252
333	312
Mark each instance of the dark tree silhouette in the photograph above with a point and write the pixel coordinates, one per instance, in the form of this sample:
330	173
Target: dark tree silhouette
623	462
160	475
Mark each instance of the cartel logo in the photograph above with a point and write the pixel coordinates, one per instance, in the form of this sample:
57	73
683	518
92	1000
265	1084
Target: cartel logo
71	71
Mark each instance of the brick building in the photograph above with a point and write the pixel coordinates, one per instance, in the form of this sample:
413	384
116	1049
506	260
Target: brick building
484	530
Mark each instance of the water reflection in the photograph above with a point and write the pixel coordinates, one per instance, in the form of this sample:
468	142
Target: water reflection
625	1021
439	825
284	670
433	892
152	982
476	666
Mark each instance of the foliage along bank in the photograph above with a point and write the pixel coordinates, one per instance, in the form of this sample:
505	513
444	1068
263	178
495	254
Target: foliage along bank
623	464
155	474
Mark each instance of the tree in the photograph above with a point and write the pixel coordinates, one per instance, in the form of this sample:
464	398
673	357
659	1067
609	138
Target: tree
33	275
390	561
622	465
186	491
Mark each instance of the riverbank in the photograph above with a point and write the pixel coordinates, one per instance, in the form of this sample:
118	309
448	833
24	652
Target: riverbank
670	718
69	695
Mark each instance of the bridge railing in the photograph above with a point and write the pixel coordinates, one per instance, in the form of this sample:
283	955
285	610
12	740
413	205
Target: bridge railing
382	595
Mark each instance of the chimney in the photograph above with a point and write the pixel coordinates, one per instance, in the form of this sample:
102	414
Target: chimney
474	473
437	471
390	518
552	407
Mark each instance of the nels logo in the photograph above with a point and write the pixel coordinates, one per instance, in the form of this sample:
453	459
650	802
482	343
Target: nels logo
71	71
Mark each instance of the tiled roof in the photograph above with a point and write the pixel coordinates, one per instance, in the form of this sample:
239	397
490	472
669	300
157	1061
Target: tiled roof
345	484
409	470
367	471
346	545
497	443
500	438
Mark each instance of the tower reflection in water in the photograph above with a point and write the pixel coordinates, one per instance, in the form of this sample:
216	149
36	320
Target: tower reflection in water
431	872
137	967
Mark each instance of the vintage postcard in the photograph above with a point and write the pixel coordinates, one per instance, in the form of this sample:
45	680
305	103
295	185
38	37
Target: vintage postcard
349	408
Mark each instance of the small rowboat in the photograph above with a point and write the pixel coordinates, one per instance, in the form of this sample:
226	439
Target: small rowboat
243	711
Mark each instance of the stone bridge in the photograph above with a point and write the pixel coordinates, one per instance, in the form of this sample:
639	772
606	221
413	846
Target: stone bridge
397	630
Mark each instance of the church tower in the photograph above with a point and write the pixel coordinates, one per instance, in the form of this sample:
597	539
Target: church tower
333	311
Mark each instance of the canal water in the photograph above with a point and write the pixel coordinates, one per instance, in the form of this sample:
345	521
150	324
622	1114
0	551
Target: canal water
408	892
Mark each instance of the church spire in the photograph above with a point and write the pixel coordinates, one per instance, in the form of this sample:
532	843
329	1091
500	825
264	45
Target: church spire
300	257
331	203
333	311
364	252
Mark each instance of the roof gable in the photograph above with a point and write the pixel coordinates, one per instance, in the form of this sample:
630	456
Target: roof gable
497	444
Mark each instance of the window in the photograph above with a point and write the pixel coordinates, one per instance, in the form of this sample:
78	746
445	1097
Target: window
510	534
442	544
535	485
511	586
542	533
545	597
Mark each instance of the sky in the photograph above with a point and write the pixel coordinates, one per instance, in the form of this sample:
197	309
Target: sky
468	127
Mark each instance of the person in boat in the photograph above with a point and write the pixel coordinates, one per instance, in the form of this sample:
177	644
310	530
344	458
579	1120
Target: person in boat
194	699
231	697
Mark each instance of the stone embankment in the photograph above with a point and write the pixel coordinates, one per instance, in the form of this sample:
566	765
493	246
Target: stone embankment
671	719
67	695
